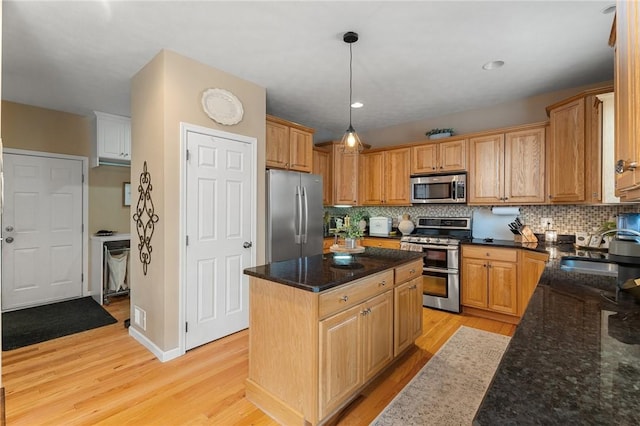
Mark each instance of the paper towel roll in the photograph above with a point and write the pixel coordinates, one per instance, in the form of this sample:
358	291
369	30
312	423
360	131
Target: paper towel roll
506	211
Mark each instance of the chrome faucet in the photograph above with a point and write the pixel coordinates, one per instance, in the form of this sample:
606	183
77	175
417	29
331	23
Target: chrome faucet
631	231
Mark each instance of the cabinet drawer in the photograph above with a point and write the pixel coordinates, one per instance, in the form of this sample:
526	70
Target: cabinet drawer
408	271
381	242
349	295
483	252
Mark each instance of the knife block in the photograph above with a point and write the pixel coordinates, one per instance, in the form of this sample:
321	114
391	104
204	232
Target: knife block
526	236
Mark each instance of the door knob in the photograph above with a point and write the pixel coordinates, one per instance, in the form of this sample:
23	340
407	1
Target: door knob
247	244
9	240
9	228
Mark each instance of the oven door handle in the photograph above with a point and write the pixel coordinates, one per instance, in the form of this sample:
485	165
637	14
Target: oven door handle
442	271
435	247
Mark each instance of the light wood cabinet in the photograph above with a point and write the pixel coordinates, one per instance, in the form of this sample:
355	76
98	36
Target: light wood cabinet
340	358
355	345
288	145
322	166
532	265
439	157
567	152
390	243
408	314
311	353
626	39
326	245
507	168
575	148
497	283
384	177
490	279
344	175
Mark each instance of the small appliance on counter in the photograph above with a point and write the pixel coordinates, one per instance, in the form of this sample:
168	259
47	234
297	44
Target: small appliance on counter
380	226
627	240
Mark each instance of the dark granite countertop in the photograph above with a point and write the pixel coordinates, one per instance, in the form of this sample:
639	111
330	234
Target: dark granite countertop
574	358
322	272
541	247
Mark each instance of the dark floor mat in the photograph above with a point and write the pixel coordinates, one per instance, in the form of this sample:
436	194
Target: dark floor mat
34	325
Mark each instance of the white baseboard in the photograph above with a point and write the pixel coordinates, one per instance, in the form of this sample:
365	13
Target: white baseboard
163	356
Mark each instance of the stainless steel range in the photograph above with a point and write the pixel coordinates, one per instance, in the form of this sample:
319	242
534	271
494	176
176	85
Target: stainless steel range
439	238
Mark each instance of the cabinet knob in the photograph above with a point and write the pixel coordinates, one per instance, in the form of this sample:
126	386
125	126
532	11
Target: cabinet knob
550	196
382	283
413	287
344	298
506	198
412	271
484	266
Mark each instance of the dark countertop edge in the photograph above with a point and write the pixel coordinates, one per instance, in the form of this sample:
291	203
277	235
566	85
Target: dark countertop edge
388	237
391	263
539	247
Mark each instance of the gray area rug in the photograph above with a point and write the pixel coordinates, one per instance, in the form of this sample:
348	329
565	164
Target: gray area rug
450	387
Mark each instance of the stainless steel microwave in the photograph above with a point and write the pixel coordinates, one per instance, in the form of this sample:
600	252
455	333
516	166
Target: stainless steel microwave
443	189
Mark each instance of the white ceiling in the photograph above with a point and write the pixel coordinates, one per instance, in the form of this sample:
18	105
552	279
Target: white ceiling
414	60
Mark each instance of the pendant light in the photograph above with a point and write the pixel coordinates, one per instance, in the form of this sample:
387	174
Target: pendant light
351	143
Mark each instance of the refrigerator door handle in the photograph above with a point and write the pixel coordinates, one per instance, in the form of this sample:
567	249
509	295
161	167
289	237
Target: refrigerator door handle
306	215
298	222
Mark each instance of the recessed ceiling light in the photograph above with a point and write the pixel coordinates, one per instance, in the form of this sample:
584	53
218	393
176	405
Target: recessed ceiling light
609	9
357	105
492	65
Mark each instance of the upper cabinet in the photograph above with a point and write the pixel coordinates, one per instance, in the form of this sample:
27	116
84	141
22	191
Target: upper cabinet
289	145
574	159
384	177
507	168
439	157
626	38
344	174
322	166
567	152
113	140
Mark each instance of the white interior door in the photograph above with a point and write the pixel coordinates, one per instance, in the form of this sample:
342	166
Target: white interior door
42	230
218	224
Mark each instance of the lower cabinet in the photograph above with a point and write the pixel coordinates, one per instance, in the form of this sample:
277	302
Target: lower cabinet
391	243
498	282
490	279
408	314
311	353
354	346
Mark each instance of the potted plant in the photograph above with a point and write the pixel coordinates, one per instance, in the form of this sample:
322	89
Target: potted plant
352	230
439	133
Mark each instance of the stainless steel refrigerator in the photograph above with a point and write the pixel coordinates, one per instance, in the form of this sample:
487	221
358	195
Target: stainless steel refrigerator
294	215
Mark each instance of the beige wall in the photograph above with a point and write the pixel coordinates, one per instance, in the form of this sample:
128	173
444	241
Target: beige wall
164	93
39	129
522	111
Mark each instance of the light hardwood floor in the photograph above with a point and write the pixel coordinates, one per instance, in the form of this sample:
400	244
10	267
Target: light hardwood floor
103	376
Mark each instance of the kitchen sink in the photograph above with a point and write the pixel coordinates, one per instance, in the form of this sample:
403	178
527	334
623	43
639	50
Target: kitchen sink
589	267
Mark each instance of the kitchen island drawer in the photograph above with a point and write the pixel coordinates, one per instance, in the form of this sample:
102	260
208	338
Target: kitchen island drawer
343	297
409	271
484	252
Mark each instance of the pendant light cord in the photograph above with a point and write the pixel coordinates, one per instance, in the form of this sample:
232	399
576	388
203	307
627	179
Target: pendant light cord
350	82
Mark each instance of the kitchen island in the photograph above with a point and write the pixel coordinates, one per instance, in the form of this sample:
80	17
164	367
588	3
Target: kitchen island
322	327
575	356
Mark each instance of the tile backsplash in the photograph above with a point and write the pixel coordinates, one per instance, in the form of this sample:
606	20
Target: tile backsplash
567	219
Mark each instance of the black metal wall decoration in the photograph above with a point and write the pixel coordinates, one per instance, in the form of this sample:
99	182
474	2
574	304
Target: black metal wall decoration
145	218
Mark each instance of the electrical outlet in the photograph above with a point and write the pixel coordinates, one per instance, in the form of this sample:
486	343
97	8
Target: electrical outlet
546	223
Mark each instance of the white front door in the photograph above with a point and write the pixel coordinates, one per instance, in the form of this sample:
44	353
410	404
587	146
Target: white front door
219	207
42	230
